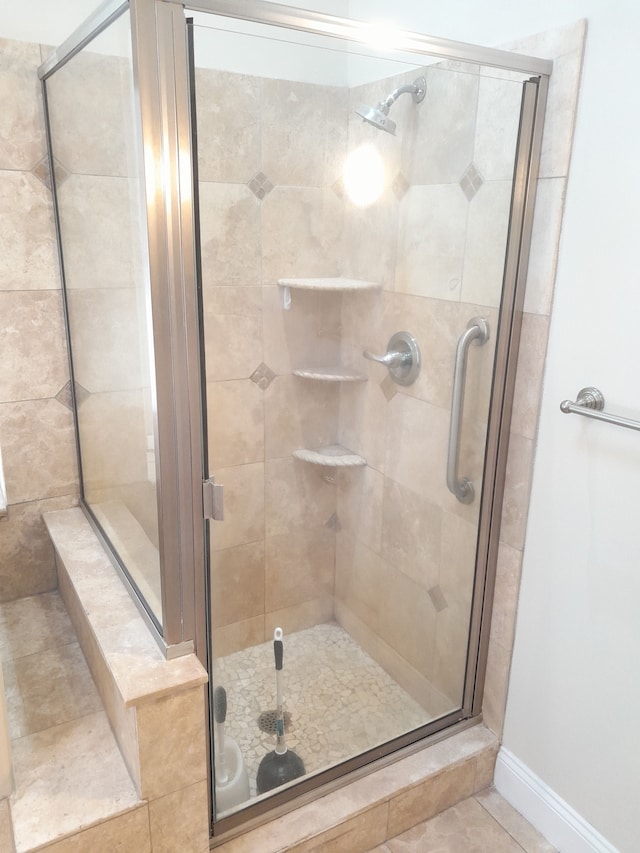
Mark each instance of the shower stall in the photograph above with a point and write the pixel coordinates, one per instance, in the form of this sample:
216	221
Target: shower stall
293	264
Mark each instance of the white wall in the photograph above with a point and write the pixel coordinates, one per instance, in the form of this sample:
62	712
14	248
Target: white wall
575	691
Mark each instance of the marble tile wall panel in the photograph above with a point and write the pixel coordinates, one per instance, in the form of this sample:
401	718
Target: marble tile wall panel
114	440
235	423
308	335
29	258
91	110
299	414
22	142
297	497
100	231
447	112
545	238
33	350
364	417
297	617
229	126
172	757
178	821
431	797
300	228
244	506
304	132
44	466
360	497
238	635
411	533
237	583
358	580
369	240
27	562
229	219
486	243
232	332
108	348
299	567
498	118
431	241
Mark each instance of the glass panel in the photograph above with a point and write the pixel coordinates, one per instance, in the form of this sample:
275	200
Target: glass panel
322	236
93	135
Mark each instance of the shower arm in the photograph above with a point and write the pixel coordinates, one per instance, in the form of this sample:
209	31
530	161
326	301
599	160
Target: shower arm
408	89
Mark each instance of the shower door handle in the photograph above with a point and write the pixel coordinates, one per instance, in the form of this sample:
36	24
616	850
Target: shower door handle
477	331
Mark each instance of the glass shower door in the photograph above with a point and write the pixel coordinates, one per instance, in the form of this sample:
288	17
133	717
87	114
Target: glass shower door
352	459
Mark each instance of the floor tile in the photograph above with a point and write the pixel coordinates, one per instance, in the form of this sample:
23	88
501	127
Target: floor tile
67	778
513	822
465	828
48	688
32	624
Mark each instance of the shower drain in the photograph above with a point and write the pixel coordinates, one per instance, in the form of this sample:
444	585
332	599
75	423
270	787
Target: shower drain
267	721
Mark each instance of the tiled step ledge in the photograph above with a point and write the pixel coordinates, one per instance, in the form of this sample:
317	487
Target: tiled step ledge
155	707
383	804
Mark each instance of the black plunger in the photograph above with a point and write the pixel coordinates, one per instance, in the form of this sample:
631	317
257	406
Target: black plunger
282	765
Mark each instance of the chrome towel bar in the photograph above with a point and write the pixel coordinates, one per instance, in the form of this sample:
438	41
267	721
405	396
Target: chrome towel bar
590	403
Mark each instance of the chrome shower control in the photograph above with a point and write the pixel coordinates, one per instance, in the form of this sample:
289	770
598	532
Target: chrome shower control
402	358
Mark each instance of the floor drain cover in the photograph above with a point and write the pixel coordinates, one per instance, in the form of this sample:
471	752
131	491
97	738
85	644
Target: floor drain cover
267	721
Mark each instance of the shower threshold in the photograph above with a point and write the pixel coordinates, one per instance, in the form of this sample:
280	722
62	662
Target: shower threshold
338	701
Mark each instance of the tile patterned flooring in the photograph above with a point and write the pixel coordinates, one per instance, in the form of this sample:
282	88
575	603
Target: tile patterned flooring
485	823
50	712
58	728
327	682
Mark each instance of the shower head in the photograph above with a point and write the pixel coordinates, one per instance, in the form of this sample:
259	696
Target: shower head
378	116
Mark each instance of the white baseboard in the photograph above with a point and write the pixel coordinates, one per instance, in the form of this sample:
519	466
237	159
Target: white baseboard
561	825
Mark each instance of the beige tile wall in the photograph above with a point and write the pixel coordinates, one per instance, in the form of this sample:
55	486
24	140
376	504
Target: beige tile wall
269	209
407	591
36	429
404	546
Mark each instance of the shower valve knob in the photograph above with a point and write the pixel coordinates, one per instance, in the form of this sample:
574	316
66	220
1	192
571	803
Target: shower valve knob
402	358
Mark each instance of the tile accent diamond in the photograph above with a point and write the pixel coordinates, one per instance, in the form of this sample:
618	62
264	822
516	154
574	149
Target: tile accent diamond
42	173
263	376
260	185
64	395
437	597
389	388
471	181
400	185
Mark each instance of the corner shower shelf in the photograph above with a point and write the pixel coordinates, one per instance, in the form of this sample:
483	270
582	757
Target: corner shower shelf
330	374
333	456
337	284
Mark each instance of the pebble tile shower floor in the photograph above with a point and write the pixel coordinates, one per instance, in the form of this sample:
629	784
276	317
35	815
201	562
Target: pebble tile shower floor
340	700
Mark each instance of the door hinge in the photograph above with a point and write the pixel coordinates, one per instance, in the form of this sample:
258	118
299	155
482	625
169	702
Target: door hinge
213	499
